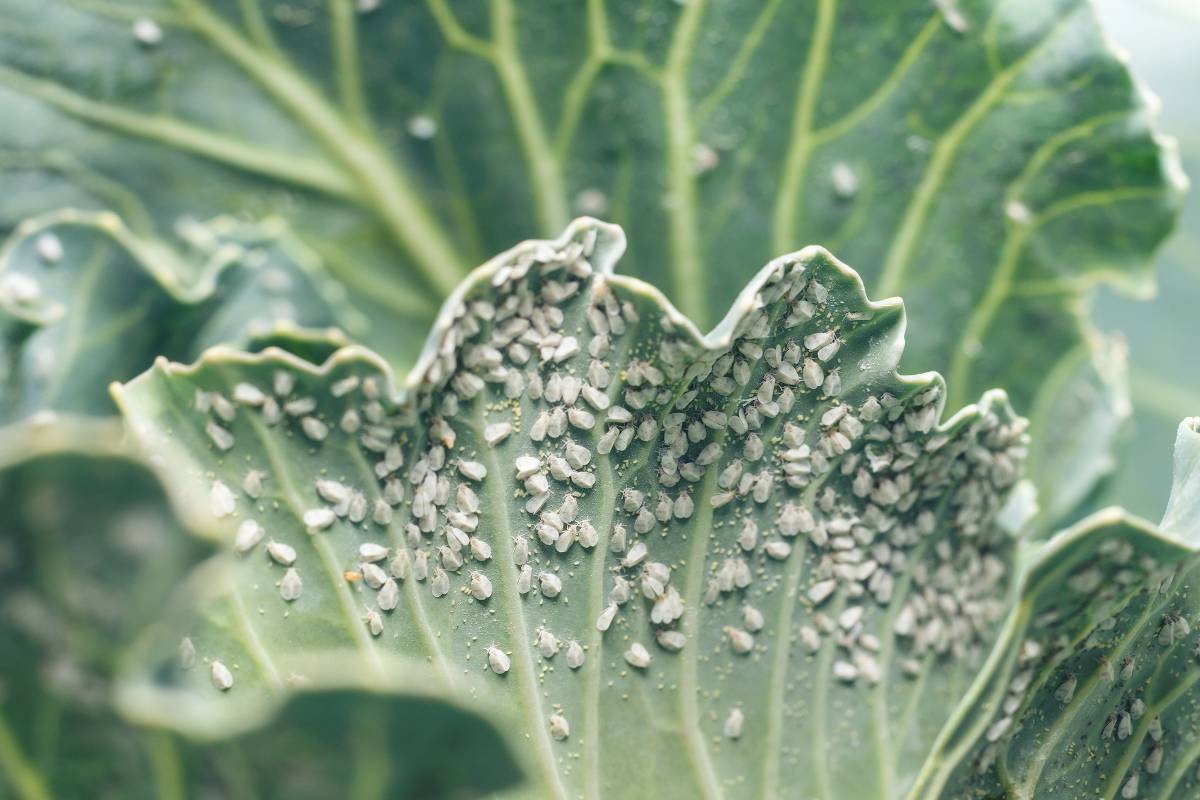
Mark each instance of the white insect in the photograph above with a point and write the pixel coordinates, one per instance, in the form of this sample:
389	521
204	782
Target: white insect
318	519
668	607
374	622
221	500
222	678
49	248
1066	690
546	643
748	535
344	386
777	549
574	655
734	723
821	591
221	437
669	640
605	620
472	470
549	584
845	182
497	432
314	428
850	617
480	550
526	466
635	556
252	484
998	729
845	671
248	394
332	491
421	126
282	554
587	535
147	32
439	584
389	595
371	552
560	729
400	565
1124	726
498	660
373	575
1153	762
752	618
187	653
249	534
741	641
638	656
291	586
480	585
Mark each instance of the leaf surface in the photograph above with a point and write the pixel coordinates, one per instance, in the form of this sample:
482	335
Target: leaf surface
83	302
1091	691
998	148
1082	419
748	563
89	554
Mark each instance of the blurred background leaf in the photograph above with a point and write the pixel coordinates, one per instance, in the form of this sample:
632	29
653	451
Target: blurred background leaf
89	557
1160	37
988	160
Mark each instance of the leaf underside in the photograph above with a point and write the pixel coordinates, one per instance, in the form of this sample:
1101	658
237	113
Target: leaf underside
70	602
810	562
83	301
998	145
665	121
1092	689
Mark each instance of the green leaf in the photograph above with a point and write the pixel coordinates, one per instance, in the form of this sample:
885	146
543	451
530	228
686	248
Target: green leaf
998	148
89	553
1091	691
1082	417
719	542
83	566
83	300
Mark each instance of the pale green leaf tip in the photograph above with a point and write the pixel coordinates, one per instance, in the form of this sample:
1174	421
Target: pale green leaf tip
1182	517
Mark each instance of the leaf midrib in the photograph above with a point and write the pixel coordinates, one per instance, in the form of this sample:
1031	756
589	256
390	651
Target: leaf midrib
530	699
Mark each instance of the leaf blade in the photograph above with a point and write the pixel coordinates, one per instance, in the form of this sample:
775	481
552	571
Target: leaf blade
1088	685
648	358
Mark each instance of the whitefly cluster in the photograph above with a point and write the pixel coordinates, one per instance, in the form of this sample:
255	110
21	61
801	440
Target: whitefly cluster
791	448
1108	628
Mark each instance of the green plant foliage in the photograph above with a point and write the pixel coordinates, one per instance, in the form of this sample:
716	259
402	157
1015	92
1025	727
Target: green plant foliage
997	146
84	300
1092	689
607	554
64	599
581	513
89	556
